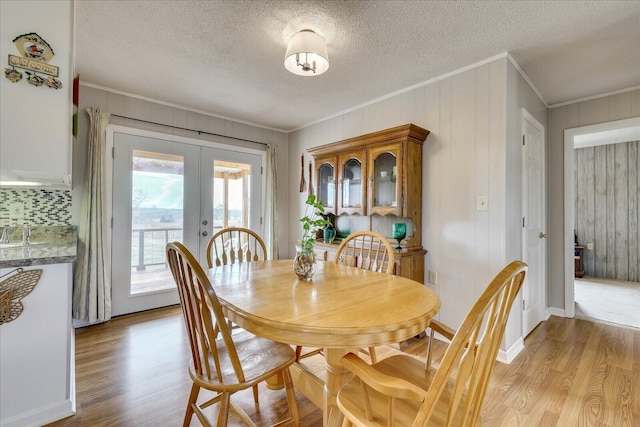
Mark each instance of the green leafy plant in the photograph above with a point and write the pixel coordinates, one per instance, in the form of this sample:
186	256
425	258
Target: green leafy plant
312	221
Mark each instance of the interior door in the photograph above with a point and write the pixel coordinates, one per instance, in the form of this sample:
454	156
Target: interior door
163	191
534	235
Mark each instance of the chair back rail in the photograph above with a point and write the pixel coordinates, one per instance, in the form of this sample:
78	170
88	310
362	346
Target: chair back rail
367	250
235	245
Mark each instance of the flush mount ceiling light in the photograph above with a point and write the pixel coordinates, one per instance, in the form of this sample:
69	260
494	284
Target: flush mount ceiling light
306	54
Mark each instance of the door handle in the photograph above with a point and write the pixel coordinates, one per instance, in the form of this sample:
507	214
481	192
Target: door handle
543	235
205	234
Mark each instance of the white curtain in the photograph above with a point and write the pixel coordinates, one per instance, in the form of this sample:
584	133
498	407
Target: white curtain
269	225
92	281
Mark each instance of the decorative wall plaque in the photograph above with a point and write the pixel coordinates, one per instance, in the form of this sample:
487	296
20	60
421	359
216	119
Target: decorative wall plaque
35	56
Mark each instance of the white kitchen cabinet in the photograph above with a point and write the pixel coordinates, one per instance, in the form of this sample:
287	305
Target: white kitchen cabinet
36	121
37	361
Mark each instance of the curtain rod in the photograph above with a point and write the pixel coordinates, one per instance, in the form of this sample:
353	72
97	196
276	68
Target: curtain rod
199	132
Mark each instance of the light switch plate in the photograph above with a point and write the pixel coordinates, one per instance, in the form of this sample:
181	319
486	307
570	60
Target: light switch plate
433	277
16	210
483	203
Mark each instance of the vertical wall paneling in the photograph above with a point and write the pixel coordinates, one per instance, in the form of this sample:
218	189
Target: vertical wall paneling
600	179
634	234
606	207
481	178
610	217
464	156
622	210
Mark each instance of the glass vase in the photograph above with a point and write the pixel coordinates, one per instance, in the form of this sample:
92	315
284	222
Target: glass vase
304	264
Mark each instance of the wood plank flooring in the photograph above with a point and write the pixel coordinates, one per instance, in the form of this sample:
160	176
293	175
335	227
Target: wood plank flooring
132	372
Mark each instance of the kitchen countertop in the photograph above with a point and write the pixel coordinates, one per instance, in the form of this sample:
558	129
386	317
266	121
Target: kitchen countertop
49	245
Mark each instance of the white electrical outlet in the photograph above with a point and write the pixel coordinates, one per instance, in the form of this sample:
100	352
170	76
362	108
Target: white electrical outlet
433	277
483	203
589	246
16	210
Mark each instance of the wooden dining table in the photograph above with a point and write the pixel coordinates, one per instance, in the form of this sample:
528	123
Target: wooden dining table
342	309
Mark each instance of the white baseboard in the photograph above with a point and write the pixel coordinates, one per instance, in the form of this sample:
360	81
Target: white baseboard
553	311
41	416
507	356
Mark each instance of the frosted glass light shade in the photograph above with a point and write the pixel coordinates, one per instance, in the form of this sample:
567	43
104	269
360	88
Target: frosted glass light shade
306	54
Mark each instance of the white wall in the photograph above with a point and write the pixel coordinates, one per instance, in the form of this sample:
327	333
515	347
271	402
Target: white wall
129	106
605	109
35	124
464	156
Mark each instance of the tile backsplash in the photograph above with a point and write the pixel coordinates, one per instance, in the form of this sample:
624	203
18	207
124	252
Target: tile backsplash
41	207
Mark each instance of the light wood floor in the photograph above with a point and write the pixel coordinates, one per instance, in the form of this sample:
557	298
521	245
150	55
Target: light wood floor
132	372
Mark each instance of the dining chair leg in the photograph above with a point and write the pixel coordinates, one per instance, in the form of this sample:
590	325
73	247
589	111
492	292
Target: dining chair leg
291	397
223	415
372	355
346	422
193	397
255	396
429	348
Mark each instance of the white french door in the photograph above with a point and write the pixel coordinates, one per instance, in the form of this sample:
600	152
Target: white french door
168	188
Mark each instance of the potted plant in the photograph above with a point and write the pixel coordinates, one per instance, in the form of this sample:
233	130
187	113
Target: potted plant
304	264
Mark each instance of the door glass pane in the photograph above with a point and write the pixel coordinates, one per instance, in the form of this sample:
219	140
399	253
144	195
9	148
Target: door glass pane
352	184
326	185
231	195
384	181
157	194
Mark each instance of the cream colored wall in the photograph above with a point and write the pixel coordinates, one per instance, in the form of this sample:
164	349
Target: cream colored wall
464	156
133	107
609	108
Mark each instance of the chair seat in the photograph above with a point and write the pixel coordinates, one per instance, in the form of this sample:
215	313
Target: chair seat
260	359
411	369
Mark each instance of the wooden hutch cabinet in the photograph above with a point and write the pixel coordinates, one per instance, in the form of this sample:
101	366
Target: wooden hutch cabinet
376	174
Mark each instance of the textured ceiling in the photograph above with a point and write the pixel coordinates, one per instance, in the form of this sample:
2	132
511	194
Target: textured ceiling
226	57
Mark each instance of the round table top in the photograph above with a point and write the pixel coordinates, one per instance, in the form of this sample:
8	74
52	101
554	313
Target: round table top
341	307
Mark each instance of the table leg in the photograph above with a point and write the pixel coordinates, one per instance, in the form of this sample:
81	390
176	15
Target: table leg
337	375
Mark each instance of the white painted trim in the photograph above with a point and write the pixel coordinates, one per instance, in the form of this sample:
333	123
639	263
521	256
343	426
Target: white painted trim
528	116
111	129
41	416
554	311
181	107
608	133
589	98
526	78
569	137
407	89
508	356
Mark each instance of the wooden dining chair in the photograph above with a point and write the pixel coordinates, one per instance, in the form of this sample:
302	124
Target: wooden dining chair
221	362
398	391
367	250
233	245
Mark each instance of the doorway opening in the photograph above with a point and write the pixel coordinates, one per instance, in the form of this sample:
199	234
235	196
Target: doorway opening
602	221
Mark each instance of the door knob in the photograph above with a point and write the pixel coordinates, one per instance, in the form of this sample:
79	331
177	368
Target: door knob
205	234
543	235
205	222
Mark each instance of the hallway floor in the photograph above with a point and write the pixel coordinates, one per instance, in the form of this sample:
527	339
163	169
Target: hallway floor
611	301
